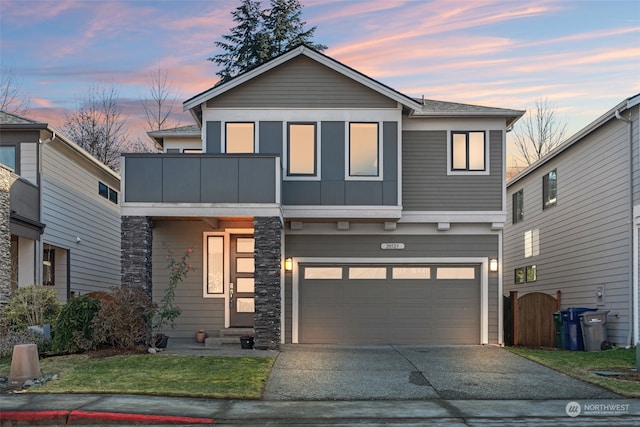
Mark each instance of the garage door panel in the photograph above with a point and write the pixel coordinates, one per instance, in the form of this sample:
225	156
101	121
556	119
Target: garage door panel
393	311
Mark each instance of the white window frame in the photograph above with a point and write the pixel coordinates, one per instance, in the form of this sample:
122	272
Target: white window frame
487	145
285	151
347	153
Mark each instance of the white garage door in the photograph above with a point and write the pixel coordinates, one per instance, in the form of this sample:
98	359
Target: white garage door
389	304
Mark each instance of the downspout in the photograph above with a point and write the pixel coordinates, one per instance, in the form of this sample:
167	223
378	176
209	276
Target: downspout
633	279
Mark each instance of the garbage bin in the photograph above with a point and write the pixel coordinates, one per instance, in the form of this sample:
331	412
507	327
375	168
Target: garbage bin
572	330
557	321
594	329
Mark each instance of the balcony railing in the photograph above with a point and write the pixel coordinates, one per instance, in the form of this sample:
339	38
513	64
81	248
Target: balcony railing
24	199
201	178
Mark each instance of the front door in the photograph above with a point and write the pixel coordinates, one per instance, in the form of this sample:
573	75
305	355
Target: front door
241	286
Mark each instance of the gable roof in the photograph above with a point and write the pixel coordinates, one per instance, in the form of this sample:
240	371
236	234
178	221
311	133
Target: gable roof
181	131
417	107
577	137
9	121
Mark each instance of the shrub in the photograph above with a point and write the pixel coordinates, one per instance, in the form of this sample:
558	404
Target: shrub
73	330
12	338
30	305
122	320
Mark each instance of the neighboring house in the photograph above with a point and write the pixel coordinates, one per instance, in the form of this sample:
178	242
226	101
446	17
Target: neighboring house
574	218
326	208
64	210
183	139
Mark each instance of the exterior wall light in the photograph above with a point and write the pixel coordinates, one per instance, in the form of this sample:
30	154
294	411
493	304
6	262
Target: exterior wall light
288	264
493	264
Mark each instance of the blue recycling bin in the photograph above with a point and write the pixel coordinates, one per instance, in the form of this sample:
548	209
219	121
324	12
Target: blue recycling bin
572	329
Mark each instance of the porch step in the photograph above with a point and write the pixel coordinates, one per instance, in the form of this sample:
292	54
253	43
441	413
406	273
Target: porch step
228	336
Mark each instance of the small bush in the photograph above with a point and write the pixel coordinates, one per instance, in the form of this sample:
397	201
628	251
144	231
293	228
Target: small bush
30	305
73	330
122	320
12	338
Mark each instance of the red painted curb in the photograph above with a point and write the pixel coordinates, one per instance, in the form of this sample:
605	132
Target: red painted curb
78	415
55	417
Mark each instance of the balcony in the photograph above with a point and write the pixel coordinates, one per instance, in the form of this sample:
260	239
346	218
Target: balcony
24	204
209	184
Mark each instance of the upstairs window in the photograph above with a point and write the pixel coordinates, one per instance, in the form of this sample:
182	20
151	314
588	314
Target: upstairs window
550	189
468	151
8	156
518	206
301	149
107	192
239	138
363	149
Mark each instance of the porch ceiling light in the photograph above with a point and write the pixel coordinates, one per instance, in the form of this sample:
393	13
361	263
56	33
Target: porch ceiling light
288	264
493	264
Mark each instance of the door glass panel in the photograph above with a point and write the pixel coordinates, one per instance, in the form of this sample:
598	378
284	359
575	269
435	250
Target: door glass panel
245	305
244	245
323	273
411	273
245	284
215	263
367	273
245	265
456	273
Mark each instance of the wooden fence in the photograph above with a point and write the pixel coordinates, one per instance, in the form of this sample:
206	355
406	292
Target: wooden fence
528	320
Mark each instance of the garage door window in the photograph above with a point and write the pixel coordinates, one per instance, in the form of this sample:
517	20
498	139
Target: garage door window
411	273
367	273
323	273
456	273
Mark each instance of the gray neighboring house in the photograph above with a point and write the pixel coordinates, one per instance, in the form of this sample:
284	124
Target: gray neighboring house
325	207
574	221
63	212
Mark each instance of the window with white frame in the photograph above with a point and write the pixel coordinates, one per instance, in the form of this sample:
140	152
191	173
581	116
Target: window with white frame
8	156
239	138
468	151
301	149
363	150
214	266
531	243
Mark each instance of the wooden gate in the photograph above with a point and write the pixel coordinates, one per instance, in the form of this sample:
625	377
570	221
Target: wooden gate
528	320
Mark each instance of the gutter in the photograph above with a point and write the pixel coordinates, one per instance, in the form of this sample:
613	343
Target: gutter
632	337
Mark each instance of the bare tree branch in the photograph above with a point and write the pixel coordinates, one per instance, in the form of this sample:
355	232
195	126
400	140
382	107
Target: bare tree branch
538	133
13	98
160	107
97	126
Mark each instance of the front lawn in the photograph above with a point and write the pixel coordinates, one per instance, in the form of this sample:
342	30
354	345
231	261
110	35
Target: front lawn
582	364
166	375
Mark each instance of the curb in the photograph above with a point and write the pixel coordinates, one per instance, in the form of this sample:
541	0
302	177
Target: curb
79	417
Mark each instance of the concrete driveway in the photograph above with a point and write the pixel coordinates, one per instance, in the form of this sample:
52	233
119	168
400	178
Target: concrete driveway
312	372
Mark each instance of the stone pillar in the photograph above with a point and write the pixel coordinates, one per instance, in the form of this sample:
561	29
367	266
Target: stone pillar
5	237
135	258
268	244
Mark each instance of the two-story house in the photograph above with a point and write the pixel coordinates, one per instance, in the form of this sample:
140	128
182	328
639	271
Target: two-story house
574	218
63	212
326	207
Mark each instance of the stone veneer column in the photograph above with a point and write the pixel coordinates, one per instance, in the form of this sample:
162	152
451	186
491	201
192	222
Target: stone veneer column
268	244
5	237
135	258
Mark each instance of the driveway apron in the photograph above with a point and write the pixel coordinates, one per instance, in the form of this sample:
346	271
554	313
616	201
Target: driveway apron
391	372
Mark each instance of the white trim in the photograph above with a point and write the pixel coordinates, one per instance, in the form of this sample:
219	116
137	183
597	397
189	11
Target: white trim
201	209
634	270
301	115
484	283
500	290
285	152
487	149
496	218
342	212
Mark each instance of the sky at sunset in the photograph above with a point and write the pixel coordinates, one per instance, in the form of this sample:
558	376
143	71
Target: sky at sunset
584	56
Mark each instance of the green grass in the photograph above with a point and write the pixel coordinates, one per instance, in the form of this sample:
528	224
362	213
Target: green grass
580	364
166	375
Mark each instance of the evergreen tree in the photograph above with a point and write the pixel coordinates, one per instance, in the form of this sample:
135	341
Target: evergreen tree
261	35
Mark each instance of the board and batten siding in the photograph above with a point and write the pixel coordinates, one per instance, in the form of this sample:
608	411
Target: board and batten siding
368	246
426	185
585	240
301	83
197	312
72	208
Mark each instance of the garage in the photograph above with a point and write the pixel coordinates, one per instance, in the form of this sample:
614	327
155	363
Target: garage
389	304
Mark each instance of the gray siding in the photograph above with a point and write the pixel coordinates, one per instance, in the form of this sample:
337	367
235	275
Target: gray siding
301	83
584	241
634	115
213	138
175	178
271	138
71	208
427	187
368	246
